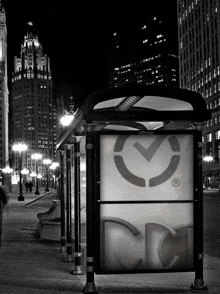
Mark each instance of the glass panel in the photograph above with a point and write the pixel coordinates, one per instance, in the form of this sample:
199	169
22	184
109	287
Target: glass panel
163	103
146	237
151	102
146	167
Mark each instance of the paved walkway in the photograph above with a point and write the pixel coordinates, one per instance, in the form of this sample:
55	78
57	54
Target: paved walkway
29	265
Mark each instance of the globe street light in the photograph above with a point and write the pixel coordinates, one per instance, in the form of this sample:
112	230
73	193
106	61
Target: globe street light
66	119
36	157
208	158
19	148
33	174
25	171
7	170
47	162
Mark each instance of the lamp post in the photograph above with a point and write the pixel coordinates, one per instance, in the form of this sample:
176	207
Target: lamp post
208	159
19	148
33	175
36	157
39	177
53	166
66	121
47	162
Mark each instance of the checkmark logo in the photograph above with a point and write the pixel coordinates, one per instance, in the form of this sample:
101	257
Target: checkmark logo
148	154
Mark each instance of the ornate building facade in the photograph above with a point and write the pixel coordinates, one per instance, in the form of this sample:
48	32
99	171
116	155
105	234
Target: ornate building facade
32	105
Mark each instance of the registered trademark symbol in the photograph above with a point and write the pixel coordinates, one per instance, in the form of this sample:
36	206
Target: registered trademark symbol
176	182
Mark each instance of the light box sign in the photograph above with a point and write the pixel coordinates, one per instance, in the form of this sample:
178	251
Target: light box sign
146	202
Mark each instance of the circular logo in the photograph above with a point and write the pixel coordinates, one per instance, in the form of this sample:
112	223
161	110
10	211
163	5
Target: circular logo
148	154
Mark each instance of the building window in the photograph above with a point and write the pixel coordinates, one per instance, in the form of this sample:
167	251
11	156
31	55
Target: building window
217	135
209	137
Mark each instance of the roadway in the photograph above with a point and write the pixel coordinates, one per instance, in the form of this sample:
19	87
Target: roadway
211	208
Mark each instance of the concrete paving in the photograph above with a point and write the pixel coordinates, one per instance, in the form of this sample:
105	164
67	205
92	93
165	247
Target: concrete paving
30	265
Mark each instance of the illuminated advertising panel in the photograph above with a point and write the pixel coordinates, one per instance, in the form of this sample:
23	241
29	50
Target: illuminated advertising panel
146	202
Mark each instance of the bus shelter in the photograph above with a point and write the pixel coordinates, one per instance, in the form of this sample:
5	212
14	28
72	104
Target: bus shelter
144	192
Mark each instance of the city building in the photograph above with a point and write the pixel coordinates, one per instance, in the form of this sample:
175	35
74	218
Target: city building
4	104
199	55
32	105
144	52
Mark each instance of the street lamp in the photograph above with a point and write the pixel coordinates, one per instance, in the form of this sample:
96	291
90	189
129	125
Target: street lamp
53	166
19	148
33	174
7	170
47	162
36	157
25	171
66	119
208	159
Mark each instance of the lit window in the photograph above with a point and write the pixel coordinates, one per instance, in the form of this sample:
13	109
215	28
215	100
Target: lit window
217	135
209	137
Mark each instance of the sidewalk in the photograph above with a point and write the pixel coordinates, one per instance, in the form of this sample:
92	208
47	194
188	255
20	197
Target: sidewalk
29	265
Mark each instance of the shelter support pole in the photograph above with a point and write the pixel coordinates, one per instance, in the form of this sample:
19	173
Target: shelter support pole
68	205
199	285
62	204
90	203
78	253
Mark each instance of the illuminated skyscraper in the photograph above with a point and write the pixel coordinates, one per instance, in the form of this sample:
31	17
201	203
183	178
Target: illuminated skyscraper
145	52
199	52
3	91
33	109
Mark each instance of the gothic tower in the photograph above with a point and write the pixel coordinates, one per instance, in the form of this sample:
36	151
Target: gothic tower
33	109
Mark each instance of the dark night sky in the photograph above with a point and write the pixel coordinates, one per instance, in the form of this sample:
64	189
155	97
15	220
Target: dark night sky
75	34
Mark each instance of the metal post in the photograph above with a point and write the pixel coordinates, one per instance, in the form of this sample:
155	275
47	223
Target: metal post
90	154
78	253
62	204
47	189
68	204
218	174
37	191
198	219
20	197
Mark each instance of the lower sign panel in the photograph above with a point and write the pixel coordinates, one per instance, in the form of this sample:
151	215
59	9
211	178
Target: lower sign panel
158	237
